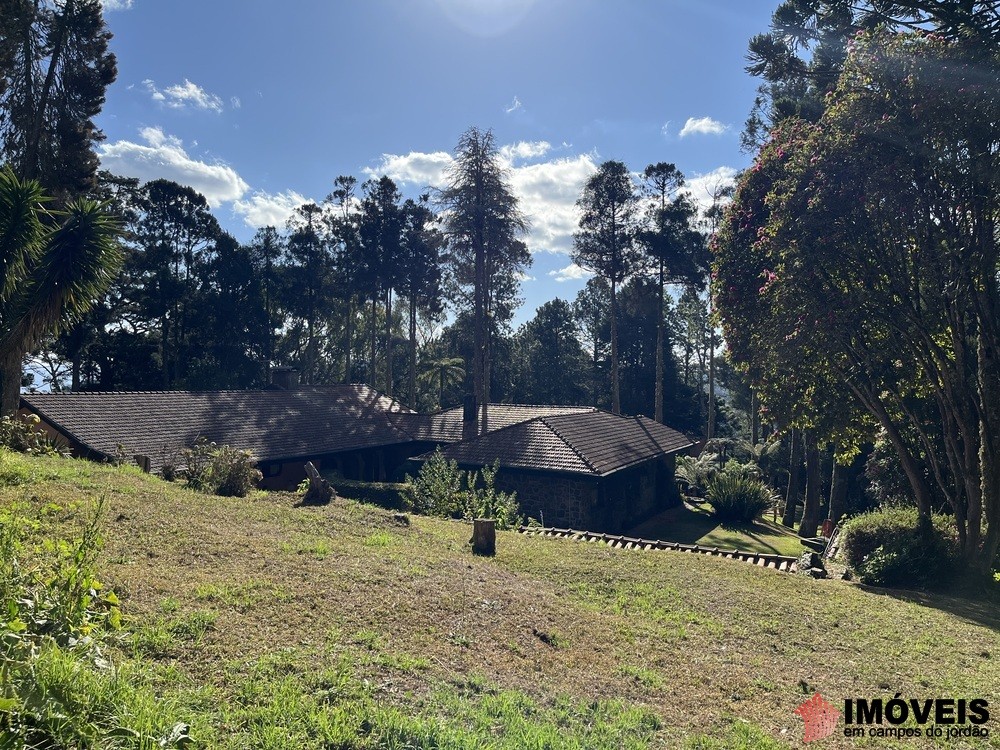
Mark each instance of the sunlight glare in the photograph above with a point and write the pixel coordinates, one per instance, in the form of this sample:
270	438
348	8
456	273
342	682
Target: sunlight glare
486	17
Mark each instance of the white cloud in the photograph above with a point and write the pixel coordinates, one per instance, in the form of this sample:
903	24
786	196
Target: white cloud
184	95
265	209
525	150
163	156
514	106
548	193
572	272
547	190
522	277
110	5
703	126
235	102
703	188
414	168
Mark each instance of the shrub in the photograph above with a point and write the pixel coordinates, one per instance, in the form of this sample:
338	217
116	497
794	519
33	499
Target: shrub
738	498
437	488
487	502
220	470
694	474
20	433
442	489
886	548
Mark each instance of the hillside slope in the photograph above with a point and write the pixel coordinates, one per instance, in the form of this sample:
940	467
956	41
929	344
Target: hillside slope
263	624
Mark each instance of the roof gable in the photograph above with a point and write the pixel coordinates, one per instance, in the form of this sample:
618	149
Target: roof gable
593	443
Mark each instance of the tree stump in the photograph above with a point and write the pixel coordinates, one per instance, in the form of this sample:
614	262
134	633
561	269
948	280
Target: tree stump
320	492
484	537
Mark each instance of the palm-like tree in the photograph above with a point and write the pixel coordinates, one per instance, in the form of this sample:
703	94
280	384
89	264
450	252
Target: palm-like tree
442	372
53	265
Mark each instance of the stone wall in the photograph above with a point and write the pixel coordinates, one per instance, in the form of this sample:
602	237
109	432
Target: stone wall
555	500
613	504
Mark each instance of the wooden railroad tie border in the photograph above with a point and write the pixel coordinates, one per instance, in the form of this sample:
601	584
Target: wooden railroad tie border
784	563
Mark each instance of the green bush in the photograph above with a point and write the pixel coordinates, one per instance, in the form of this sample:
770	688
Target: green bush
437	488
220	470
20	433
442	489
738	498
887	548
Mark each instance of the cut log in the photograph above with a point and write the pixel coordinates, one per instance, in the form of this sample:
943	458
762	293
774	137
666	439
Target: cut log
484	537
320	492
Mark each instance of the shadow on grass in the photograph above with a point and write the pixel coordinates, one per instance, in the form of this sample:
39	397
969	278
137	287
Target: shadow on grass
977	604
690	525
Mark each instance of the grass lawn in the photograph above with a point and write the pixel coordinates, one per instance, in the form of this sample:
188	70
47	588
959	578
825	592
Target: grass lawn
695	524
266	625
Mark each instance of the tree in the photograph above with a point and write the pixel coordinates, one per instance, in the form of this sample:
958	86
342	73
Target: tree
605	243
800	58
552	361
381	236
52	268
482	224
54	69
879	242
265	251
590	311
674	246
419	278
175	234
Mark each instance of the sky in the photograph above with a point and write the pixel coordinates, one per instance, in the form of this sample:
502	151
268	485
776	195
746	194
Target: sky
260	105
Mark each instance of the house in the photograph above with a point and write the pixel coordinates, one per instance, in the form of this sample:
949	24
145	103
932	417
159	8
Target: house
583	470
347	428
574	466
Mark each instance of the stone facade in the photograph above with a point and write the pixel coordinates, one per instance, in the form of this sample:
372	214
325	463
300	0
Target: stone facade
611	504
552	499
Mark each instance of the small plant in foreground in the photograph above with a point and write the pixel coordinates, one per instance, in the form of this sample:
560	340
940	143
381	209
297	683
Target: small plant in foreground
20	433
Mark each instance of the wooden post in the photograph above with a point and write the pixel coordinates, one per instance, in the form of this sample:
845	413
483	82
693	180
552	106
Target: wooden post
484	537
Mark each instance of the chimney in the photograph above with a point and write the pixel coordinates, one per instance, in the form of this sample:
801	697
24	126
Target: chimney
286	378
470	418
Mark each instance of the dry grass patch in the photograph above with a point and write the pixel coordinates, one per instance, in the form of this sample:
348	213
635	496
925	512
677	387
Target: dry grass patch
237	607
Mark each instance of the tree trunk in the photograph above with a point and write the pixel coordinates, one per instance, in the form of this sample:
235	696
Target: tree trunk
10	382
839	481
616	406
658	407
373	328
35	135
810	509
711	378
754	419
349	335
794	479
413	351
388	342
484	537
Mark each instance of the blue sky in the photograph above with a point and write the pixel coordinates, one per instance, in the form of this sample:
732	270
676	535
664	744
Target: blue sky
260	105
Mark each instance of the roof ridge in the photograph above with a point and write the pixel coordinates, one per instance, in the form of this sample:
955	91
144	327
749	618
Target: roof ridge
568	444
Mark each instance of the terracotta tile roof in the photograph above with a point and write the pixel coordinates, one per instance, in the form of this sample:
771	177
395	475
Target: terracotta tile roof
446	426
594	443
272	424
